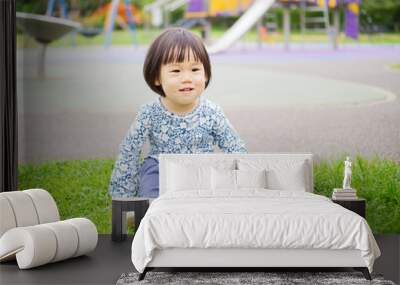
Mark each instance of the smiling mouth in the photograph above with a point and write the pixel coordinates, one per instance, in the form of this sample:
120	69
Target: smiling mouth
186	89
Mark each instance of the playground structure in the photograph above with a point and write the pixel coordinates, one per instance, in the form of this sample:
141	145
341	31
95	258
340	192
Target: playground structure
44	29
160	10
125	14
314	17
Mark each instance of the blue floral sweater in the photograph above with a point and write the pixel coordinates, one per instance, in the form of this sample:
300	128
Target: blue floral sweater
195	132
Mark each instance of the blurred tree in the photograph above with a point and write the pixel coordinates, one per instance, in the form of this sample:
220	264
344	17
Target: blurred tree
381	15
31	6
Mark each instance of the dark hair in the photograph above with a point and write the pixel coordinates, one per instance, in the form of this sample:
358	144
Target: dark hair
172	46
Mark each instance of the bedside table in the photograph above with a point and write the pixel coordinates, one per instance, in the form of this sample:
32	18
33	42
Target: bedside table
356	205
119	209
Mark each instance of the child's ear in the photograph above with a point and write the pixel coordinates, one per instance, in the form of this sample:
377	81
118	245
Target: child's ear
157	82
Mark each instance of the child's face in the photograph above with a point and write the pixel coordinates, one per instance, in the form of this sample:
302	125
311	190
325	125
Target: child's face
182	82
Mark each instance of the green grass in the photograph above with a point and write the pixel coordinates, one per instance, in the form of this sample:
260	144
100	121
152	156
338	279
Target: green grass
145	37
377	180
396	66
80	188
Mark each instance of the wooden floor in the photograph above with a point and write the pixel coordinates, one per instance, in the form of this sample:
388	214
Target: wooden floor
110	260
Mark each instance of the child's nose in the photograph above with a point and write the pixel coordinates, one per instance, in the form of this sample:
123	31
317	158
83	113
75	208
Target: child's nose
186	76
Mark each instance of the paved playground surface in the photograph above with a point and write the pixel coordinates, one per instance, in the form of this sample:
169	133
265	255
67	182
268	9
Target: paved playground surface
310	99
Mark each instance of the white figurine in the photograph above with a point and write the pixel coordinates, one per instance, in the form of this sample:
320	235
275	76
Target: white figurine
347	174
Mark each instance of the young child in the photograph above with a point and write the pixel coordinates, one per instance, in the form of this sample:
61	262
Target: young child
177	67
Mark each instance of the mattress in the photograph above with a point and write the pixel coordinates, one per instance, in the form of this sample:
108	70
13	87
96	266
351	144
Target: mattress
250	219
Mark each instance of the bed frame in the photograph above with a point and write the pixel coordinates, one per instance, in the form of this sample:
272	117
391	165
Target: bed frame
252	258
260	258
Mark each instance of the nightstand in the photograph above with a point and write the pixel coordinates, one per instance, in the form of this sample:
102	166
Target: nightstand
356	205
119	209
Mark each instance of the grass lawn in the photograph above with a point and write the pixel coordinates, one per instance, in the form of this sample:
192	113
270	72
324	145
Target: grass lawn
144	37
396	66
80	188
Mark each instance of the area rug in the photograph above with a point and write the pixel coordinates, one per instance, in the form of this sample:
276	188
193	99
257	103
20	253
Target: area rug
243	278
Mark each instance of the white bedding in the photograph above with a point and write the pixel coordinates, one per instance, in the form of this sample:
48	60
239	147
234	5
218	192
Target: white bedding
251	218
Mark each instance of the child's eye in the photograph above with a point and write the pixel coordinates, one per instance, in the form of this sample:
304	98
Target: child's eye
175	70
195	69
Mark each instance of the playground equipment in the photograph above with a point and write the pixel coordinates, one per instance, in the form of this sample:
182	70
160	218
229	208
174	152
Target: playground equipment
314	17
125	14
217	8
115	12
51	5
241	26
160	11
44	29
156	12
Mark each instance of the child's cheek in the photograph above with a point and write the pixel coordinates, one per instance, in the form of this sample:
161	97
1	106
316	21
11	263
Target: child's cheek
200	76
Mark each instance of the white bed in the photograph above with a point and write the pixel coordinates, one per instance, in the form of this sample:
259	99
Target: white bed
203	220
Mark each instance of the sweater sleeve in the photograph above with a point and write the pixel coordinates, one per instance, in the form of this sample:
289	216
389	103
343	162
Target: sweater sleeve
227	138
125	176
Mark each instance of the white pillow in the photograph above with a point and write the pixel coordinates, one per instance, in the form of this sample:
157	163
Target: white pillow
188	177
251	178
281	174
292	179
223	179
